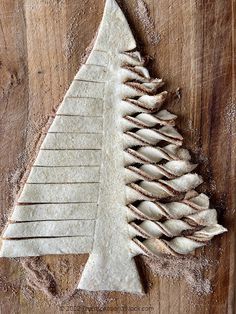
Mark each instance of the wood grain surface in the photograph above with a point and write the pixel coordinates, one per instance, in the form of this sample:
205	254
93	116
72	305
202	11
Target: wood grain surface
41	46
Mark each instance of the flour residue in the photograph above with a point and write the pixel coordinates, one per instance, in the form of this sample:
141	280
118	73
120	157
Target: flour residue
39	276
189	268
76	22
34	5
32	133
98	299
8	287
71	36
143	14
230	116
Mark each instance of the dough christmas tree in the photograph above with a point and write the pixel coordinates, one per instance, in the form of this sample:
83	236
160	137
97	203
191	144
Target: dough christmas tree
106	171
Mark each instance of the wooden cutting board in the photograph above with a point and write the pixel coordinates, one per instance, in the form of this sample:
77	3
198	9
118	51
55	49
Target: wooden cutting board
42	43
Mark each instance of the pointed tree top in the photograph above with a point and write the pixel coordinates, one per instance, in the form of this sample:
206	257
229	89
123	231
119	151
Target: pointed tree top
114	32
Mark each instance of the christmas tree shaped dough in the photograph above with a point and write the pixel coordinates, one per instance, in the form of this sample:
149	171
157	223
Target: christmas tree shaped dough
106	171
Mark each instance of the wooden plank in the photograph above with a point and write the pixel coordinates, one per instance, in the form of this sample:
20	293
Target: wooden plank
41	45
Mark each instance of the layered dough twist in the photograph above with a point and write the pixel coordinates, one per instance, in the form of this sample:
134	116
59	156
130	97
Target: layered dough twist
158	168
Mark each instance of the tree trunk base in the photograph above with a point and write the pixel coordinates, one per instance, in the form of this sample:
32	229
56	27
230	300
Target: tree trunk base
110	275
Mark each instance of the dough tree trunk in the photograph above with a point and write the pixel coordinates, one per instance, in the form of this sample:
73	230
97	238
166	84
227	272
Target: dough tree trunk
107	170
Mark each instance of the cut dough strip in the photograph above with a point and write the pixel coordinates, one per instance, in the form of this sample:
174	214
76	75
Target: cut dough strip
98	57
70	124
68	158
64	175
54	212
59	193
46	246
81	107
72	141
49	229
92	73
86	89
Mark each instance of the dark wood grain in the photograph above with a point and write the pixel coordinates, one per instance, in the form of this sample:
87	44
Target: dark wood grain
41	46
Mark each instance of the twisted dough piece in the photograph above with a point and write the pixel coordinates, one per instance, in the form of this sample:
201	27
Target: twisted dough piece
145	102
170	170
191	225
174	227
153	172
144	137
147	190
156	211
154	155
145	120
178	245
132	58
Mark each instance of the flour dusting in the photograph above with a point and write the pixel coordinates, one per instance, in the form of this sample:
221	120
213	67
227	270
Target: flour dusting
76	22
98	299
230	116
32	134
39	276
190	268
8	287
143	14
